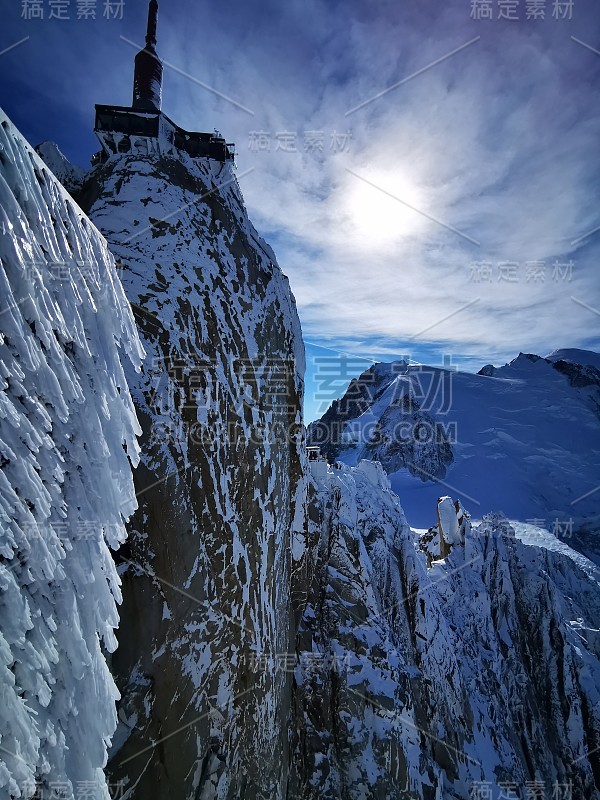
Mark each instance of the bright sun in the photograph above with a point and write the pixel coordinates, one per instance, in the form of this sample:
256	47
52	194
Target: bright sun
380	209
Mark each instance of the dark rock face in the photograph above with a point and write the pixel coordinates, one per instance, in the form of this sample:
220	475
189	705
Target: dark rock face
400	433
206	572
579	375
407	437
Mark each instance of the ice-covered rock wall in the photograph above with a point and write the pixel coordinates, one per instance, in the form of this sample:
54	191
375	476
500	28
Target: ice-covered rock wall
206	570
67	436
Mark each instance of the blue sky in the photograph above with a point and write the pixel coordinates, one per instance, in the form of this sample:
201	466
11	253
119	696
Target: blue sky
451	215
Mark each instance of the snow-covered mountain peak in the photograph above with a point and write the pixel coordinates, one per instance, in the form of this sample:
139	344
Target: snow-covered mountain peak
69	175
523	438
576	356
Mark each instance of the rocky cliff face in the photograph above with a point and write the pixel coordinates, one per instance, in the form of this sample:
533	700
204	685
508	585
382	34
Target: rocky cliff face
437	678
206	573
285	634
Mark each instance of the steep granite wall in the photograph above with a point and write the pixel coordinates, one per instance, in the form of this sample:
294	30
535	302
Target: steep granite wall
206	572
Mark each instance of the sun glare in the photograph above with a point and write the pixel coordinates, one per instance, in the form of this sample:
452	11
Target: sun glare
383	209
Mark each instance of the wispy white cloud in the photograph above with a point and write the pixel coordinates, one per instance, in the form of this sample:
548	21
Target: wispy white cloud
497	141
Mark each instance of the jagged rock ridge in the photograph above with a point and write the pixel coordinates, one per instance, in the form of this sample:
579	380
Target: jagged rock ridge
417	681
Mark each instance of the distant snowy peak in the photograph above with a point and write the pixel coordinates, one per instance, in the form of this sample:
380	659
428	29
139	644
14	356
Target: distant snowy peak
578	366
575	356
385	415
570	362
523	438
69	175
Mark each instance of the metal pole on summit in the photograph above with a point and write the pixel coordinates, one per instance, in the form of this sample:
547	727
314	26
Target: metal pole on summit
147	81
152	23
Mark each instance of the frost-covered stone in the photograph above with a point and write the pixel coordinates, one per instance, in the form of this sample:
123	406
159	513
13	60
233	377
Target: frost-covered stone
69	175
67	428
